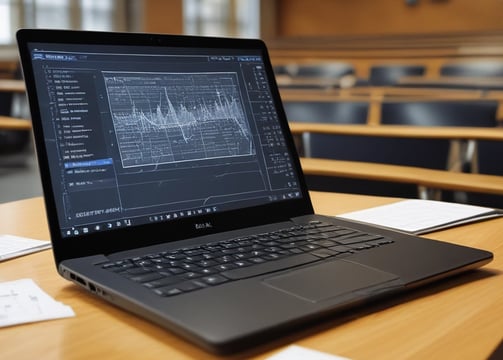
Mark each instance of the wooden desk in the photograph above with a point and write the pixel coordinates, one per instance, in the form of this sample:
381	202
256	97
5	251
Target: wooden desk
16	86
381	93
316	82
459	318
10	123
401	131
467	82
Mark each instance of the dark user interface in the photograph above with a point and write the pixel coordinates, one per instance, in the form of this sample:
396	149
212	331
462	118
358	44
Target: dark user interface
137	136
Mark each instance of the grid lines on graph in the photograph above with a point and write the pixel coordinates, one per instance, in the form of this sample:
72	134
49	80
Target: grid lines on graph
162	118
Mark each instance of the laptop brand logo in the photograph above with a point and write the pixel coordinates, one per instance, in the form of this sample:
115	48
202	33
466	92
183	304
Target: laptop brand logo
205	225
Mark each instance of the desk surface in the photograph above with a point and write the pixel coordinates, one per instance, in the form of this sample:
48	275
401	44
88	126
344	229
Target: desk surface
10	123
469	82
401	131
459	318
16	86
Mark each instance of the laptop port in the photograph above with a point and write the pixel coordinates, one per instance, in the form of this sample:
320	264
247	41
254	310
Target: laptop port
78	279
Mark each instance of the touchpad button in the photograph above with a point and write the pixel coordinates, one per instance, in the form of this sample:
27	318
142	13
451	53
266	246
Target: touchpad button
330	279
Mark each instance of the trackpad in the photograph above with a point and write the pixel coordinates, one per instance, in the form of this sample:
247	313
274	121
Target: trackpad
331	279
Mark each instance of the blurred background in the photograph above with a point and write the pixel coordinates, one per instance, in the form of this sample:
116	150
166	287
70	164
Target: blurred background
321	23
357	38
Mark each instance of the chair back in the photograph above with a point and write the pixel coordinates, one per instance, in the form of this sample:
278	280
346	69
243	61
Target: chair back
479	68
389	75
339	112
478	113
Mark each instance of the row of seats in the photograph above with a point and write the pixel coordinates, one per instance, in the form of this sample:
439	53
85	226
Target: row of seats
389	75
427	153
480	113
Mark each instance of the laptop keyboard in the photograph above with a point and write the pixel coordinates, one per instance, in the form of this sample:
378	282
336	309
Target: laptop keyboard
175	272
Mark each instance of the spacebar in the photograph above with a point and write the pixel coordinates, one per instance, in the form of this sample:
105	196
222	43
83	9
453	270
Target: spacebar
268	267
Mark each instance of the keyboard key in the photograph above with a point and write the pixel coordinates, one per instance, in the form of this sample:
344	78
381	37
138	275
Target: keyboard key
225	267
190	267
191	275
169	291
242	263
206	263
271	256
324	253
325	243
146	277
189	285
257	260
341	249
214	279
138	271
207	271
163	282
174	270
360	246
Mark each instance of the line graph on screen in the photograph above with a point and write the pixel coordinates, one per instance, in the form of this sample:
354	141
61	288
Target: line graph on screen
162	118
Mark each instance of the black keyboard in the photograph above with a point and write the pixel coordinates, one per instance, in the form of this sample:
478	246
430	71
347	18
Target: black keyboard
174	272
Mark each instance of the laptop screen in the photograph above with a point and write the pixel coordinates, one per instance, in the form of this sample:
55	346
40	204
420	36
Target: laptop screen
147	134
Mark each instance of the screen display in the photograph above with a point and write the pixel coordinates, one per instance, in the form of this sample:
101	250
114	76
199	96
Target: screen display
136	135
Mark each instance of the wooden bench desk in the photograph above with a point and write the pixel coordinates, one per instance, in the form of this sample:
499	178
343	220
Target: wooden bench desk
467	82
15	86
425	179
403	131
383	93
10	123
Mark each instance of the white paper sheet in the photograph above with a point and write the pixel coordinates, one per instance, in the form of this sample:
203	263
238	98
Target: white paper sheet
420	216
12	246
295	352
22	301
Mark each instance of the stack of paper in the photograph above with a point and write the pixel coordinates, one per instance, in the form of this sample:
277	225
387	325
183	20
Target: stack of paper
22	301
421	216
13	246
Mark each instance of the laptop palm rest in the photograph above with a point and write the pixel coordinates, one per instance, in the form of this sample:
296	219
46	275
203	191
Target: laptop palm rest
333	279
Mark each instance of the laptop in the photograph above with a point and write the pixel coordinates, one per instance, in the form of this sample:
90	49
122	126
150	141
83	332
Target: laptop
173	190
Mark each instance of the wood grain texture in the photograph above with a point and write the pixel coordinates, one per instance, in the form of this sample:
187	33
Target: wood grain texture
459	318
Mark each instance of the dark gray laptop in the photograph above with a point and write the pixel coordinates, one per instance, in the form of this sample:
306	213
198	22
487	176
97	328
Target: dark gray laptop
174	191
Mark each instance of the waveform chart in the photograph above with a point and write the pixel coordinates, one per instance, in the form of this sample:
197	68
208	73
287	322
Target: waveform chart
162	118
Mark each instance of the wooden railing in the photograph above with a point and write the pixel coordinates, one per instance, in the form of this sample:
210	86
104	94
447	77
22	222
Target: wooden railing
403	131
9	123
425	179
